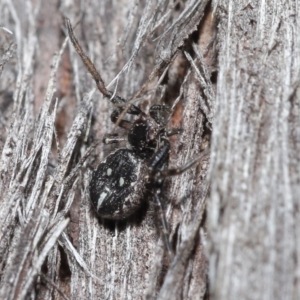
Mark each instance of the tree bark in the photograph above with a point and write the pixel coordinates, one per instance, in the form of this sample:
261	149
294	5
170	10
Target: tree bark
229	72
253	212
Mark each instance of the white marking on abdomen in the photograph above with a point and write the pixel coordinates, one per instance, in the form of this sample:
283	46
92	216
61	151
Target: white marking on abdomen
102	197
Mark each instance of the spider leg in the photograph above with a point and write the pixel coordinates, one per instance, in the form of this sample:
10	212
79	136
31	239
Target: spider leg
116	100
182	169
121	123
159	162
164	224
157	113
173	131
161	157
113	139
86	60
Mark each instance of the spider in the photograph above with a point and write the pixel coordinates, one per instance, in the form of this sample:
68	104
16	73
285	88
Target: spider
120	181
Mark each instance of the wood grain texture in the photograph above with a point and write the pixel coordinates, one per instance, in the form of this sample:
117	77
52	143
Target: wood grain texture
253	209
52	245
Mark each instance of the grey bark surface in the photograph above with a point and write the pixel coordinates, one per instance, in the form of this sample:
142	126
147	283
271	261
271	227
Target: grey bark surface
253	208
229	70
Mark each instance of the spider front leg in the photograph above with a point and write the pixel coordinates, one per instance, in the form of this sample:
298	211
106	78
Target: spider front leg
114	99
115	118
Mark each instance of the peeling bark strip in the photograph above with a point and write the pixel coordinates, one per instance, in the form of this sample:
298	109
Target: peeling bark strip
255	180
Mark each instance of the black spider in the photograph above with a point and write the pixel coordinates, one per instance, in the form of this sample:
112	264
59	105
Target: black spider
119	182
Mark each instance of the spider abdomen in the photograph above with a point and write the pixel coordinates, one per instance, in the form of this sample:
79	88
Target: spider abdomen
118	185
